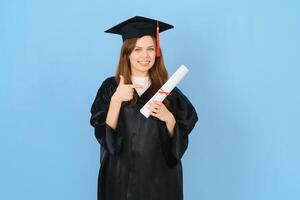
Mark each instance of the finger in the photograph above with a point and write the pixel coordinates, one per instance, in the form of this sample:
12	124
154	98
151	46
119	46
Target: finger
150	105
154	105
151	109
154	110
122	82
157	102
154	114
129	98
128	88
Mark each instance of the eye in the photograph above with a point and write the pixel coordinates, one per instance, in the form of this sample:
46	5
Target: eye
151	48
137	49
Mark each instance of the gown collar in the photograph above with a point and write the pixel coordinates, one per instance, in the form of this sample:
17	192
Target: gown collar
141	80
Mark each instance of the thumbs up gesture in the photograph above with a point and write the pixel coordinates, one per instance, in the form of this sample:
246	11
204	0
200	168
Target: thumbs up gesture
124	92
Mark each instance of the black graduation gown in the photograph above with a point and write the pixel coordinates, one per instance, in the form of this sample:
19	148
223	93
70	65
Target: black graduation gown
139	161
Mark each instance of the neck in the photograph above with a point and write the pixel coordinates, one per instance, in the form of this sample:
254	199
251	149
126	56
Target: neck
140	74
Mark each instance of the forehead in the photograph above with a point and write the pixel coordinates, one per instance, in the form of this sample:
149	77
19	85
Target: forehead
145	41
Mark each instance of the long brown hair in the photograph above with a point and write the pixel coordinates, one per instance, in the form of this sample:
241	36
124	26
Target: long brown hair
157	74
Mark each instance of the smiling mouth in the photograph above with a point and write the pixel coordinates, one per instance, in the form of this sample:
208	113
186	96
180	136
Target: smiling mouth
144	62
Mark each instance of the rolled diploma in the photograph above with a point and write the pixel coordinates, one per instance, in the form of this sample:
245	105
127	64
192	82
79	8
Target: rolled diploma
161	94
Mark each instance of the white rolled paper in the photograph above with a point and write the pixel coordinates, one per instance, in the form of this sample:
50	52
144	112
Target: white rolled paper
162	93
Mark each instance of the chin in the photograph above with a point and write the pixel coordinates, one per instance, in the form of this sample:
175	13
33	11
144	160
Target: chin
144	68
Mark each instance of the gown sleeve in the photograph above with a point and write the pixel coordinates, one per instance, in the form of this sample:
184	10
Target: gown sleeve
186	117
106	136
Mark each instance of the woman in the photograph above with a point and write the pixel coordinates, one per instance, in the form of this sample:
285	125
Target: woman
140	157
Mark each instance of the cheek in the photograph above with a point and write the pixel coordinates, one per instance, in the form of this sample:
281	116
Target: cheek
152	55
132	57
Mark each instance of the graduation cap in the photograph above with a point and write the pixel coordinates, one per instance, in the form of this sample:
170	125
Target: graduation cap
138	26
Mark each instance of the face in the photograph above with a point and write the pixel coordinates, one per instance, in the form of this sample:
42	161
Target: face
143	56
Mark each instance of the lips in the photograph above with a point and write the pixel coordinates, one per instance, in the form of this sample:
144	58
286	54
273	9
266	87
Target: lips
144	63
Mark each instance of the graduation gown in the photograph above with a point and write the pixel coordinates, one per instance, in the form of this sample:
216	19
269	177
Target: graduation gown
139	160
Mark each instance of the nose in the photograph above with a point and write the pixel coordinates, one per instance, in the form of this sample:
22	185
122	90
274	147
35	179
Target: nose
145	53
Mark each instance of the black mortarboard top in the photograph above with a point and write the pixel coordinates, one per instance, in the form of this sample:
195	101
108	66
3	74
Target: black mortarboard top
138	26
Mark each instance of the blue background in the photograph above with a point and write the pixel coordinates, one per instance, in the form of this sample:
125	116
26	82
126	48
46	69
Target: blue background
244	64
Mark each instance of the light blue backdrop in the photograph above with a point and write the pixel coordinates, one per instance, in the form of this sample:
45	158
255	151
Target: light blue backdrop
244	64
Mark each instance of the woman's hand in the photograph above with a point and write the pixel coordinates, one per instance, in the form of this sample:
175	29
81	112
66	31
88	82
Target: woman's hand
124	92
159	110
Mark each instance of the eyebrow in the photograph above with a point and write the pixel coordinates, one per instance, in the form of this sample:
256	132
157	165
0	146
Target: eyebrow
142	47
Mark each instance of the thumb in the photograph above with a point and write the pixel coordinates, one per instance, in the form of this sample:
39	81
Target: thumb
121	80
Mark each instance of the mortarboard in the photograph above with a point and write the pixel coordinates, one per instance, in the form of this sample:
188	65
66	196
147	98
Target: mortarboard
138	26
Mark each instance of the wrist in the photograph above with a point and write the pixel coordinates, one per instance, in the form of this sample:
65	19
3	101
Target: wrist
115	99
170	119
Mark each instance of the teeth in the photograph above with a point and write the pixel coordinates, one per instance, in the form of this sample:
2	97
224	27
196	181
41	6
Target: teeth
144	62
